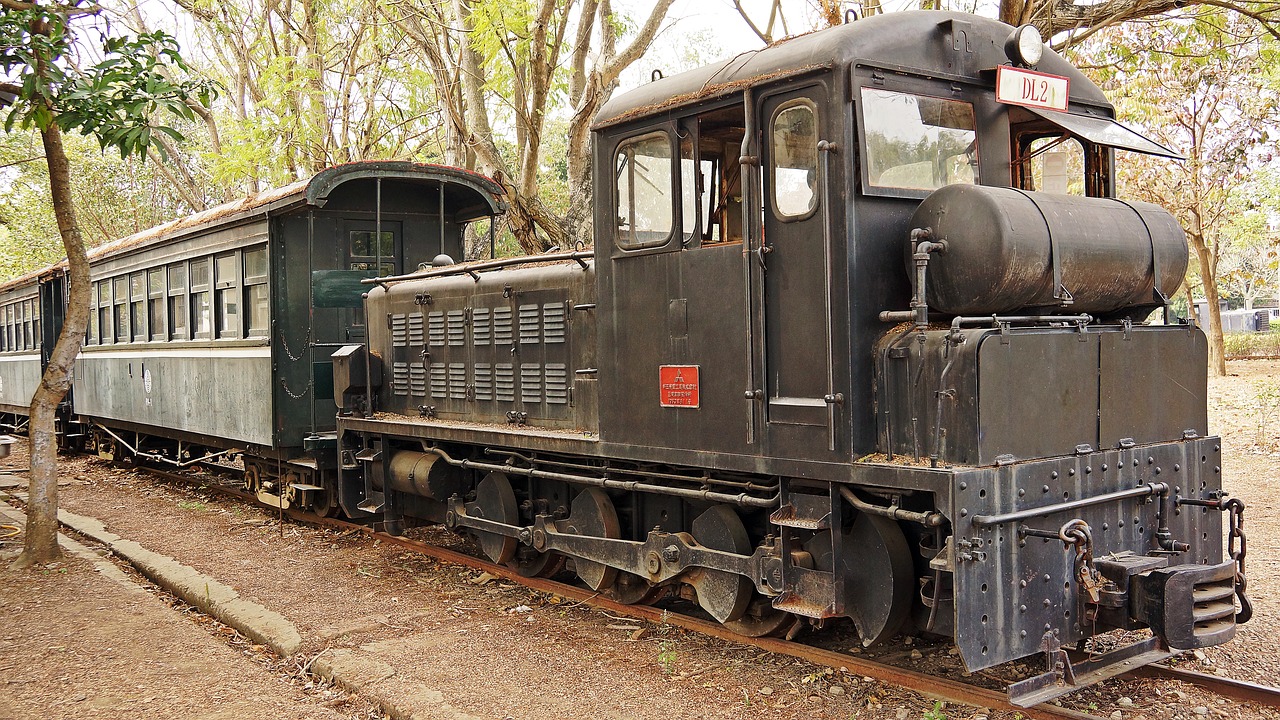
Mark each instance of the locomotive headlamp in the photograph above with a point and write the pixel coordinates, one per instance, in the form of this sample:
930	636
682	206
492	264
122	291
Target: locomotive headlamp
1025	46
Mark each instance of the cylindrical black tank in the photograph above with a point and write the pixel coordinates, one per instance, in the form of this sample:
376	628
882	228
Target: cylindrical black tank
1001	244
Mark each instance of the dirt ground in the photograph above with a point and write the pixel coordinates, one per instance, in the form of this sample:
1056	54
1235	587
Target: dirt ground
78	645
497	650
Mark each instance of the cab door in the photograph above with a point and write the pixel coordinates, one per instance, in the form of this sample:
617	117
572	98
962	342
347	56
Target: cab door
800	400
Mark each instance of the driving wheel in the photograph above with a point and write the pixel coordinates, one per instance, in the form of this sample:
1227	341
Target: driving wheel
592	513
495	500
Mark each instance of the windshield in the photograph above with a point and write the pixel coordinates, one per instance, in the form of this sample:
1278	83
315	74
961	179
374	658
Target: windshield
917	142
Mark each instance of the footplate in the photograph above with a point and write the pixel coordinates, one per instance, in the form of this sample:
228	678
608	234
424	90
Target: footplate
1064	677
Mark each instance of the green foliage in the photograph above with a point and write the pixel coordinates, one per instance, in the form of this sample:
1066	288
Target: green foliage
667	657
936	712
1243	345
113	99
114	197
1205	83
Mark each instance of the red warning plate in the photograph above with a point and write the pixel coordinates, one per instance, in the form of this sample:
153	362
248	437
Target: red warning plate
678	385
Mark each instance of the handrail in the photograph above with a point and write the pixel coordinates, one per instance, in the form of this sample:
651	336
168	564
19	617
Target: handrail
475	269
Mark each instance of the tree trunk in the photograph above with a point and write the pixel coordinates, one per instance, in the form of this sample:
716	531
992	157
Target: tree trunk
1217	359
40	545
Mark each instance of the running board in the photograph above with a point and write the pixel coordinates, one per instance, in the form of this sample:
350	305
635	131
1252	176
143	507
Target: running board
1065	677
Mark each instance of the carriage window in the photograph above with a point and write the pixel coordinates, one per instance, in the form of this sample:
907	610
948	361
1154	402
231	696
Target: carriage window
201	299
226	276
35	324
155	303
794	154
643	169
367	254
178	301
91	337
104	311
138	305
916	142
255	290
120	296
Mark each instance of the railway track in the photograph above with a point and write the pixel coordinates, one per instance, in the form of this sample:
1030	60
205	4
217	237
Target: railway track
931	686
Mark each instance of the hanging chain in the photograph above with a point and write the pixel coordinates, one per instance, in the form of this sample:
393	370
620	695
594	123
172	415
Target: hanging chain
1237	547
306	344
300	395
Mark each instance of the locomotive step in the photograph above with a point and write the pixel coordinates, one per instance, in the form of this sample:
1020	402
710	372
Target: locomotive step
809	512
374	503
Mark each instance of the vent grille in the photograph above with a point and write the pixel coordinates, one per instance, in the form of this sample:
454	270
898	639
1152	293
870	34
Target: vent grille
439	380
457	328
481	329
435	328
502	331
400	378
504	382
484	381
529	324
530	383
457	381
417	379
557	378
553	323
399	335
415	329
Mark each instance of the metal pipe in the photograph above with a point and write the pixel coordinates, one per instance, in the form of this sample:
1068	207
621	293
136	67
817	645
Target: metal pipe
368	358
630	486
377	228
1140	491
825	148
311	314
753	392
472	268
928	519
704	479
959	320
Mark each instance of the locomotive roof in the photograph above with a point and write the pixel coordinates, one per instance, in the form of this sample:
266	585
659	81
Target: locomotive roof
909	40
313	191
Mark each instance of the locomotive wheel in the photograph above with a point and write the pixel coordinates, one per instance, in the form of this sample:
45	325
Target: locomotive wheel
495	500
725	595
631	589
592	513
884	576
324	503
531	563
879	561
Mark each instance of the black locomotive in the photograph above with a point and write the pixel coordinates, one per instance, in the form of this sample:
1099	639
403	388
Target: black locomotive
862	336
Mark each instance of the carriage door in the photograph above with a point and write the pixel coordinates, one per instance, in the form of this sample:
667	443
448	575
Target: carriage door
795	258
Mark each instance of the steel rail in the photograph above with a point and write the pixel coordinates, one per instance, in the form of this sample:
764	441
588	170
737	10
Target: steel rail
930	686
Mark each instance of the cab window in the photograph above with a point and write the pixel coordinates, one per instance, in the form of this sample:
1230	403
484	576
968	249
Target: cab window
794	159
643	172
1047	158
711	181
917	142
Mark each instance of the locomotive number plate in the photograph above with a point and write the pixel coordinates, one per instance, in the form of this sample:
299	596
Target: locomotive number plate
678	385
1031	89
